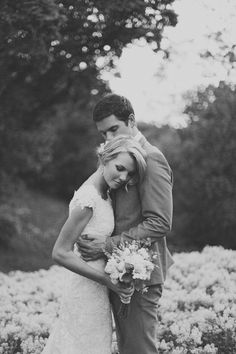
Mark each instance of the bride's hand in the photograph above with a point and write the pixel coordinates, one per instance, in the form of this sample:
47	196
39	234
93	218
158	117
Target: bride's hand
119	289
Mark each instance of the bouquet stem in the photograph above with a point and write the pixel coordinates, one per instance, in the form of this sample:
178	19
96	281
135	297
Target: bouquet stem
124	306
123	310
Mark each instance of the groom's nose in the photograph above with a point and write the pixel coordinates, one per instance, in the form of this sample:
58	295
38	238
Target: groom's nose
109	136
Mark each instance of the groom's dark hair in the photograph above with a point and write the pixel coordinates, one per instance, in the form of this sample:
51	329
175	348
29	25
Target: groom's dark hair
118	105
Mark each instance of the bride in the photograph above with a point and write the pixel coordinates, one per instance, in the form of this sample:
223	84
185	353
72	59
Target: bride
84	325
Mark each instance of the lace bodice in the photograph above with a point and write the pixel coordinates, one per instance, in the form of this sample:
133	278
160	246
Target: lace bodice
102	220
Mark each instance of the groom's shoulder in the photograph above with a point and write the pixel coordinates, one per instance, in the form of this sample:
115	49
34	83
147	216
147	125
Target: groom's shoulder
155	157
153	151
152	148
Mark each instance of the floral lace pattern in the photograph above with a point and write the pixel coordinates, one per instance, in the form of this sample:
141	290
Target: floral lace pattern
84	325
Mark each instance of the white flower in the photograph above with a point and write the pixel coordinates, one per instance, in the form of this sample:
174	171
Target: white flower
210	349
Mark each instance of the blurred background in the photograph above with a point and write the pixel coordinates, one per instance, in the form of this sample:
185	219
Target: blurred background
175	61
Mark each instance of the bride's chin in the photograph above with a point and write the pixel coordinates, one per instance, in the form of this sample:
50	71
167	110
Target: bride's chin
114	185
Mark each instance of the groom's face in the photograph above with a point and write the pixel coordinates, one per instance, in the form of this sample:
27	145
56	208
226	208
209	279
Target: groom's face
111	127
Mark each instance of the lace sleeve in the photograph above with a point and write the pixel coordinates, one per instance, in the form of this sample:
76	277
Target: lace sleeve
85	196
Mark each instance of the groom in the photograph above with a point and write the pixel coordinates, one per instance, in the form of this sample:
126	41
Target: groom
143	211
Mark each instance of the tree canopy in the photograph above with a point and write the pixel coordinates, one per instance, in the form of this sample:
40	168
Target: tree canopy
205	172
48	58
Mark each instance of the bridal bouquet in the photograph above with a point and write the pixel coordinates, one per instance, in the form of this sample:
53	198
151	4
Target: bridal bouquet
131	264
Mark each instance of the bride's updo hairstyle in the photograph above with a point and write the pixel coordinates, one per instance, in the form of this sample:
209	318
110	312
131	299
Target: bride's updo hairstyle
124	143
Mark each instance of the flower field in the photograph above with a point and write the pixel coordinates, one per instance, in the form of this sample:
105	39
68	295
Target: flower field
197	312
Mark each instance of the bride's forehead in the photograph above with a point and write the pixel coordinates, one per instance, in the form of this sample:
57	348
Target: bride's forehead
124	159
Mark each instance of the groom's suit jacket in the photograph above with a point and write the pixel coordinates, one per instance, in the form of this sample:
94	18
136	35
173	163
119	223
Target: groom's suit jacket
145	210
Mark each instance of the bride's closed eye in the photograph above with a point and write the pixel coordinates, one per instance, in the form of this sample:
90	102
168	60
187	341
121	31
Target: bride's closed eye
121	168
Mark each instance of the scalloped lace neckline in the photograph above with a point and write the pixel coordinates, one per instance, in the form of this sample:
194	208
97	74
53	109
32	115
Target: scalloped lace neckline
99	194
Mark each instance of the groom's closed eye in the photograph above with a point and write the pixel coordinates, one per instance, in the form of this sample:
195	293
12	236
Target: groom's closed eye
113	129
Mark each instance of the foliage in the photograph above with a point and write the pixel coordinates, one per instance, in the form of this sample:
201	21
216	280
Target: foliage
29	225
201	156
197	311
48	57
73	153
204	171
26	30
10	225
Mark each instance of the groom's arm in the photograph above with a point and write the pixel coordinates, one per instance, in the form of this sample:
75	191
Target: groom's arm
156	203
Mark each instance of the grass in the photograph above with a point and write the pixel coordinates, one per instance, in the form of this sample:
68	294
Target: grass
36	220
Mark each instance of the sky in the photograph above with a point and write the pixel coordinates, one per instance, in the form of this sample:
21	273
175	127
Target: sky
156	86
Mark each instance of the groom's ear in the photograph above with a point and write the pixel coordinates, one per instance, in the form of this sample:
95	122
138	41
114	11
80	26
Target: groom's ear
131	120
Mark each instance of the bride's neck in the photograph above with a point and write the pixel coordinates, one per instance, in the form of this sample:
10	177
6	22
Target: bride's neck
99	182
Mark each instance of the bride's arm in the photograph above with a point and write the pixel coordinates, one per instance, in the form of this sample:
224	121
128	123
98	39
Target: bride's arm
63	253
63	250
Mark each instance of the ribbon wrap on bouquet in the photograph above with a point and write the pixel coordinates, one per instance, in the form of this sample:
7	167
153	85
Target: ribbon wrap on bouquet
126	282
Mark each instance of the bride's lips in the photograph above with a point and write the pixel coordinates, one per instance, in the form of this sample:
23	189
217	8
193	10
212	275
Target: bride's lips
118	183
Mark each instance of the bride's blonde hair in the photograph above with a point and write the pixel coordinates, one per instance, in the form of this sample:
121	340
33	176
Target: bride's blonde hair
124	143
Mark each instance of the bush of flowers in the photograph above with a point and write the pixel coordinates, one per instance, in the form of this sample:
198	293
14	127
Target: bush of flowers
197	311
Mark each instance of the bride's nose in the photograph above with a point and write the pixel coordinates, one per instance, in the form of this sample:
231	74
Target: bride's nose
123	176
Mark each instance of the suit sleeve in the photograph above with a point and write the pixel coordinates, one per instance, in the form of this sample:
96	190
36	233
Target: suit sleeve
156	202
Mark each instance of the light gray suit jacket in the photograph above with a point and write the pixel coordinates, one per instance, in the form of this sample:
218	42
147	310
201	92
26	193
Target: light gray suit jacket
146	209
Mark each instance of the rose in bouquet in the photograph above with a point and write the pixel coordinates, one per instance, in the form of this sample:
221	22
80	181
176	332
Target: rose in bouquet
131	264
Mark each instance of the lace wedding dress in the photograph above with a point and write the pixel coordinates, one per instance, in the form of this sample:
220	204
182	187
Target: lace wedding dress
84	325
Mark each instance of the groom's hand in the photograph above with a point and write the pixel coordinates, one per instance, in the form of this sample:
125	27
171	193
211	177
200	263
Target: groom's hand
91	248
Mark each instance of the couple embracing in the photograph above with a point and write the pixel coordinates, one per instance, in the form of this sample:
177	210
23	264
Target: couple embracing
128	197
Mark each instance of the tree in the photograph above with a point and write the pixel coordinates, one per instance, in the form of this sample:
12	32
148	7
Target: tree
205	172
49	52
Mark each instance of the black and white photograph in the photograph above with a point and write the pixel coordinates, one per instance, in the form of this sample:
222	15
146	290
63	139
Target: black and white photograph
118	177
